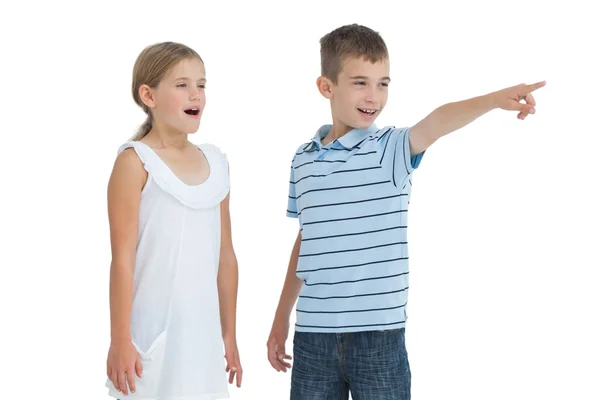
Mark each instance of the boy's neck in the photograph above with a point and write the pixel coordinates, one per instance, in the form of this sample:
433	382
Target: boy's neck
337	131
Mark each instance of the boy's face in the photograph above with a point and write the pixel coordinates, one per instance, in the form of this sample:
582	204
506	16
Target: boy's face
180	97
360	94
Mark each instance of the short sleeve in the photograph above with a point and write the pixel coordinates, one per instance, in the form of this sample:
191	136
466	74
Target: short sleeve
403	163
292	208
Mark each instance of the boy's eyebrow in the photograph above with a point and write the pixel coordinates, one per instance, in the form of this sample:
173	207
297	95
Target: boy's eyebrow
385	78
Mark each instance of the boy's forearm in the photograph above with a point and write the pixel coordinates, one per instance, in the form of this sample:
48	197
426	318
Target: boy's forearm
453	116
292	285
227	282
448	118
121	298
289	295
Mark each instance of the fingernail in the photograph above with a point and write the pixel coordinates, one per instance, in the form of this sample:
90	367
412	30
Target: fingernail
532	111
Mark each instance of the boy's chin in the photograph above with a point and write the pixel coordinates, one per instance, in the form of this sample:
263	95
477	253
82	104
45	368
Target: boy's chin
361	124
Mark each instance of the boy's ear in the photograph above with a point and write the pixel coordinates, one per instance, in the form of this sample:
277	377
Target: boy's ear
325	87
147	96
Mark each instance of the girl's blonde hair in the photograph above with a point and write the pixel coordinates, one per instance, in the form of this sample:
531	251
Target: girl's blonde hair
151	66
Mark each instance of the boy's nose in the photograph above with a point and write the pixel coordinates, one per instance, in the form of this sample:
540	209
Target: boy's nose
372	100
371	96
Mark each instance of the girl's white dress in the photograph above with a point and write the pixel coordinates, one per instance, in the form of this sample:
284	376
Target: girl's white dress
175	322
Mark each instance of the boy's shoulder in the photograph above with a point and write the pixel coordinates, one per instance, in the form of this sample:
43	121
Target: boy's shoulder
303	148
310	145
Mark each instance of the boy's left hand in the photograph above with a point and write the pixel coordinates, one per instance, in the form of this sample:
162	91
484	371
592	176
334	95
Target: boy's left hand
510	98
234	367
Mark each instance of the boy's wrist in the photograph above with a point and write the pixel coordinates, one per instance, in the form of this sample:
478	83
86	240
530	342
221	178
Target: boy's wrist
281	317
491	100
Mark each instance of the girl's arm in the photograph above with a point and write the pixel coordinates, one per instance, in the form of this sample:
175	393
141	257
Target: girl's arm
228	276
227	282
124	192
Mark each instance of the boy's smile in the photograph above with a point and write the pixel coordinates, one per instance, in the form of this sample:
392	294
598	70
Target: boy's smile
359	95
367	113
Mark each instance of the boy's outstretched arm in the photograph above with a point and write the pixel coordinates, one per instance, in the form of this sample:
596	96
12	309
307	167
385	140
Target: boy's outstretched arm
453	116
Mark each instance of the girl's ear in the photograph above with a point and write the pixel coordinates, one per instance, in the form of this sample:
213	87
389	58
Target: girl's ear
147	95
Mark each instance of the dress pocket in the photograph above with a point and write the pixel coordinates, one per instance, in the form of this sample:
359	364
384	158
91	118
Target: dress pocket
152	362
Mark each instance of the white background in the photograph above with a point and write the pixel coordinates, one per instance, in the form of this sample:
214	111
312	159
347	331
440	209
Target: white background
504	300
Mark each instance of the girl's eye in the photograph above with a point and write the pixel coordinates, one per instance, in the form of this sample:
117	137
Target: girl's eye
202	86
181	85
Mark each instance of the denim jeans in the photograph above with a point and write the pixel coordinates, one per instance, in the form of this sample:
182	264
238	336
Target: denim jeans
370	365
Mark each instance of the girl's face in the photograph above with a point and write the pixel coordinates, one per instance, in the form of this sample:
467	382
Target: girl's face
179	99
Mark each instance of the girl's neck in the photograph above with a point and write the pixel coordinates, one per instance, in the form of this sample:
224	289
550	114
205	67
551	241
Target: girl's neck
163	138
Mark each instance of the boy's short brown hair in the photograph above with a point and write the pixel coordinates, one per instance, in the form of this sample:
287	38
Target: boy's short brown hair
350	41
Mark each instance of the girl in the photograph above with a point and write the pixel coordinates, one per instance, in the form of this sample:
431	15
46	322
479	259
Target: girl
173	279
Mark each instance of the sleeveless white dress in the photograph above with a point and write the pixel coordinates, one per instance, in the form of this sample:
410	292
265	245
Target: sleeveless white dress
175	321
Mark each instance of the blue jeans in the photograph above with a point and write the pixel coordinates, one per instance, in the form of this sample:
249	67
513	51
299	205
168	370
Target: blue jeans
369	365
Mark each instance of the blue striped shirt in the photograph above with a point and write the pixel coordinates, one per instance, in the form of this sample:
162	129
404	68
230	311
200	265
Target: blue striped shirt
351	198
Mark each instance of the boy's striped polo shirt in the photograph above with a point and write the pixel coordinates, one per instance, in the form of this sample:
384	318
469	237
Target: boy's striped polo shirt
351	198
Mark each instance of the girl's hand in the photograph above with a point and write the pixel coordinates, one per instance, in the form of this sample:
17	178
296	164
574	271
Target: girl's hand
234	367
122	363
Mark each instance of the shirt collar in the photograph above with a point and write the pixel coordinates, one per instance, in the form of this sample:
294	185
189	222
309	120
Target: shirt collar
348	141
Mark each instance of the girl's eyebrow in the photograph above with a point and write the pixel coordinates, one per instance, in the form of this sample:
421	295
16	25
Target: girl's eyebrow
183	78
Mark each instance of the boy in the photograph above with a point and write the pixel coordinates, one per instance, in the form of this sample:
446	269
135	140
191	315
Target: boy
350	188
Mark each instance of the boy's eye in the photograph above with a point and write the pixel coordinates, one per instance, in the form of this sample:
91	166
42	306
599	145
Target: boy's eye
181	85
385	84
202	86
360	83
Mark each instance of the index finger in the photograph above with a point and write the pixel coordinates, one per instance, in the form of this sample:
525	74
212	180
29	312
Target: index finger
239	377
536	86
114	379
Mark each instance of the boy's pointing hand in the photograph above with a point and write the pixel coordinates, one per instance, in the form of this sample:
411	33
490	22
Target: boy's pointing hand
511	98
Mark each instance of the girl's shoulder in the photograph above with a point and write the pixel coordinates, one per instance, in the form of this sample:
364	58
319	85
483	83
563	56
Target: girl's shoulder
131	150
214	154
211	148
